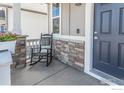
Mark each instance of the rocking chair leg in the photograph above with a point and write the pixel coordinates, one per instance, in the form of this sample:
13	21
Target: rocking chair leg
31	60
47	63
36	61
51	57
31	56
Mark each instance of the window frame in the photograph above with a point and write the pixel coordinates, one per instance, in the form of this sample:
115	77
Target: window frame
55	17
6	17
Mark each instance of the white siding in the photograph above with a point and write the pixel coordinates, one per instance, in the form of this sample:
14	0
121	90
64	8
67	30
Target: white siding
77	20
65	19
32	24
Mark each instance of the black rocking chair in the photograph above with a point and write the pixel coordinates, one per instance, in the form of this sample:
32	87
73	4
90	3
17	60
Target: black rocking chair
43	51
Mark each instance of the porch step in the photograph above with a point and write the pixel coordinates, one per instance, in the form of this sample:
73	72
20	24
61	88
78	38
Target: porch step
108	77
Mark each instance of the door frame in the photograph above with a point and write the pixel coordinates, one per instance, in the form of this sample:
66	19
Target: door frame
89	21
89	27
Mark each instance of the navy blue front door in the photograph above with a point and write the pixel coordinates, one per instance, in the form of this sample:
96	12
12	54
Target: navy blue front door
109	39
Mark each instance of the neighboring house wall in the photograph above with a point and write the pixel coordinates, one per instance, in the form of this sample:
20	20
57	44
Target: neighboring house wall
10	19
32	24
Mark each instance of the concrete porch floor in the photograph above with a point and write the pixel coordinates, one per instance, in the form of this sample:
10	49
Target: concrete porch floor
56	73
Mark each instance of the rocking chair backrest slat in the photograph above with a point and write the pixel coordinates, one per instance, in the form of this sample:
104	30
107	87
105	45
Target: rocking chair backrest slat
46	40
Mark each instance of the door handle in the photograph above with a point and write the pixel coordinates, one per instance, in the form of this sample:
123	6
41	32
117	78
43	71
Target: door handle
95	32
95	37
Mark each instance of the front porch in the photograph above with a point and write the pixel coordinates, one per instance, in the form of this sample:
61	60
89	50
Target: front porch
72	45
57	73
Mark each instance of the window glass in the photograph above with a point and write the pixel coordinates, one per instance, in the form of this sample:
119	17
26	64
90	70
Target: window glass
56	25
2	15
55	10
3	19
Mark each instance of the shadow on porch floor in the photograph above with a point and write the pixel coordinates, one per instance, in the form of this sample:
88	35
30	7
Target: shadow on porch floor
56	73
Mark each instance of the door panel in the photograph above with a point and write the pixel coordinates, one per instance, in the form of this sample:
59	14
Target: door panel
121	21
121	55
105	24
104	52
108	52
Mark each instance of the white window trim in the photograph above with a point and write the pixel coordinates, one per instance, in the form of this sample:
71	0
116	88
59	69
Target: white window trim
55	18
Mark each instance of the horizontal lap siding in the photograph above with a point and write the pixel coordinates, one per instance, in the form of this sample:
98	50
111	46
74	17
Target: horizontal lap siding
73	18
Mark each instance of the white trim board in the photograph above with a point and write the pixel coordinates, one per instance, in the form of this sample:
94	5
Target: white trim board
108	78
100	78
88	36
78	39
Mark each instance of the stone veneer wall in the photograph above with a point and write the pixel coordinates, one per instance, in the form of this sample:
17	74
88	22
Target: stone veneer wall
69	52
19	58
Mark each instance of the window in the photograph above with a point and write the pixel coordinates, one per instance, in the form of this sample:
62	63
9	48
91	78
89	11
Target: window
56	17
3	19
2	14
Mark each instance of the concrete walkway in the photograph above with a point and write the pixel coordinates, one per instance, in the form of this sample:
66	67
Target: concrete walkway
56	74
